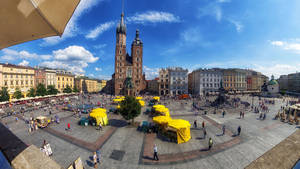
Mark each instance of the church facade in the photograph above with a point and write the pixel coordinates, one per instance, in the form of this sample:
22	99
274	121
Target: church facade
128	78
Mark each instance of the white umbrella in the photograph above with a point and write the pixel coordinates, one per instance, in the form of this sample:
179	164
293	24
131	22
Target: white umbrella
25	20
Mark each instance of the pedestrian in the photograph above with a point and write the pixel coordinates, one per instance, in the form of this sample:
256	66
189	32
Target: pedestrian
204	133
239	130
100	126
95	160
17	119
210	143
69	126
223	129
223	114
155	156
195	123
98	152
203	124
241	114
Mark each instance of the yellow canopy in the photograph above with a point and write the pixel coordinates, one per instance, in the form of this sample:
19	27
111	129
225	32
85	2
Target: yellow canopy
120	97
139	98
182	128
163	110
26	20
142	103
156	98
161	119
157	106
100	116
117	100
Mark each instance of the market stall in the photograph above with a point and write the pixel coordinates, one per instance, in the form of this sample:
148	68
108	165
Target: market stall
100	116
182	129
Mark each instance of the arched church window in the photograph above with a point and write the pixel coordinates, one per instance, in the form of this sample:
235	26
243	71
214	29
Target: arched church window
120	51
137	52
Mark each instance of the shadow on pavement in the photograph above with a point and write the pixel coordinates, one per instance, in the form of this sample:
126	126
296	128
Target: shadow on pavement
89	163
117	123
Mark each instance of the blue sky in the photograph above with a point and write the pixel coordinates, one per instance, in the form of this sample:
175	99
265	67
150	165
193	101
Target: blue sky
260	35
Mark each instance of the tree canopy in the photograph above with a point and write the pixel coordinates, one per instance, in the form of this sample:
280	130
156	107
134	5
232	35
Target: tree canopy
68	89
4	96
41	90
18	94
31	92
130	108
51	90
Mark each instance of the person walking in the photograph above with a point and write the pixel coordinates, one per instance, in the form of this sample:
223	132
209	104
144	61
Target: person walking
98	152
223	130
95	159
223	113
210	143
239	130
155	156
204	133
100	126
195	123
69	126
203	124
241	114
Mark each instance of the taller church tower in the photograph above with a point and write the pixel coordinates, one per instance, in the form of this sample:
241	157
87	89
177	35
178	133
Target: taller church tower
120	56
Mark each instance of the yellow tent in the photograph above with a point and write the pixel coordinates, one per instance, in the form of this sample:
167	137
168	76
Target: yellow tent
156	98
161	119
142	103
100	116
157	106
163	111
138	98
117	100
120	97
182	128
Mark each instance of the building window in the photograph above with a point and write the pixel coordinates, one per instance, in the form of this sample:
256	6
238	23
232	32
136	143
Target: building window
5	83
31	82
58	86
17	82
11	76
21	82
26	82
63	79
11	82
120	52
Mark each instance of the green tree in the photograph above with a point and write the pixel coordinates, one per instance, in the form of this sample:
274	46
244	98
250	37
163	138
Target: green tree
68	89
18	94
31	92
41	90
4	96
75	89
51	90
130	108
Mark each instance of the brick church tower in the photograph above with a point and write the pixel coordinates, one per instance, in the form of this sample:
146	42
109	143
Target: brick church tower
128	78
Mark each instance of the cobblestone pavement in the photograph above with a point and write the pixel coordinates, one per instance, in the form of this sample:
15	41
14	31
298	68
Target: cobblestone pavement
133	149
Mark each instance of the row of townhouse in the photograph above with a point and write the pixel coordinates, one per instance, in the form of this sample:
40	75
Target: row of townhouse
176	81
24	78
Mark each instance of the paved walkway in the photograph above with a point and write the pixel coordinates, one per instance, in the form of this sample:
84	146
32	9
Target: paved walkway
172	158
284	155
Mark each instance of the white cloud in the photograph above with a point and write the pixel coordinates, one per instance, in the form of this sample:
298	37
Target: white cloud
72	26
153	17
277	69
100	46
214	9
10	55
151	73
72	58
238	25
98	69
93	34
291	46
138	18
277	43
24	63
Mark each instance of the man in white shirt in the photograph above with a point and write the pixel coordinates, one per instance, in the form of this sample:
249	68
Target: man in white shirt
155	157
